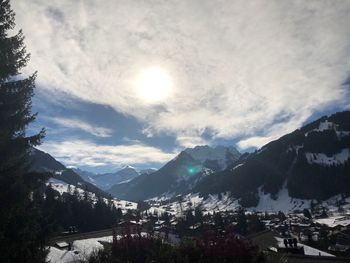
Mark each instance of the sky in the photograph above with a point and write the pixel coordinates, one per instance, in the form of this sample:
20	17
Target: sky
135	82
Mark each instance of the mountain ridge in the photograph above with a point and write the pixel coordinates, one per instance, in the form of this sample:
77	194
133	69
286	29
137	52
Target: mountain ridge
312	161
178	176
106	180
44	163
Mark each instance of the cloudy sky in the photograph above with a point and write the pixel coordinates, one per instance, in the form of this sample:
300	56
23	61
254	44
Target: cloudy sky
135	81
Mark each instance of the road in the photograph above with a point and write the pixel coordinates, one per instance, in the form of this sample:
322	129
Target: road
79	236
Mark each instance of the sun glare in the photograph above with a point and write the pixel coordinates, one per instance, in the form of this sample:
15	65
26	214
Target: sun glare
154	85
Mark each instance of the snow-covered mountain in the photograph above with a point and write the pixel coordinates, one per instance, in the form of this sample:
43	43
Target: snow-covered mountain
217	158
45	163
178	176
312	162
106	180
147	171
124	175
62	187
87	176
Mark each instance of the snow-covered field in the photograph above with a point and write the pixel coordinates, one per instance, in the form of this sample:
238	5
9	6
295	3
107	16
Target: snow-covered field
283	203
81	250
224	202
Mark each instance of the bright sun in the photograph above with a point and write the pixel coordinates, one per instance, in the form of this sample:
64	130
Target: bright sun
154	85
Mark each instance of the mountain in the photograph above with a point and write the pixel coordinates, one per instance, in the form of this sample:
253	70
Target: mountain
147	171
105	181
312	162
179	175
217	158
85	175
44	162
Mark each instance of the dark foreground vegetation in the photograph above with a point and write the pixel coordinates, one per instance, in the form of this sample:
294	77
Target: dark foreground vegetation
27	218
211	248
22	234
78	210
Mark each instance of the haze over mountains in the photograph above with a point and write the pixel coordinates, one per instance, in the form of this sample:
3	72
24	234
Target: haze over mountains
107	180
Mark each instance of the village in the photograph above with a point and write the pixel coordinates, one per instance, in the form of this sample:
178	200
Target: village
308	235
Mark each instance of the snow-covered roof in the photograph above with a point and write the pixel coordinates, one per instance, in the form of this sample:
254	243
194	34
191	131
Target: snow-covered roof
310	251
335	221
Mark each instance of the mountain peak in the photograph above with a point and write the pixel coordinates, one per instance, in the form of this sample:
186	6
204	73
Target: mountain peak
128	167
221	155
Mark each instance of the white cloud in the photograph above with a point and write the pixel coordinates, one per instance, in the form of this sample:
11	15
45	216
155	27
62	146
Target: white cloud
237	66
253	142
82	152
186	141
84	126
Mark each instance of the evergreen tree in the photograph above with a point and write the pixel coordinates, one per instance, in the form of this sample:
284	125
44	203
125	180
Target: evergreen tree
307	213
241	222
21	235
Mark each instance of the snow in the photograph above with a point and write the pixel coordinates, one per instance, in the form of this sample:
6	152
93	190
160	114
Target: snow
62	244
334	221
238	165
164	197
342	134
62	187
310	251
210	205
283	202
59	172
214	204
87	246
55	181
324	160
326	125
62	256
81	250
178	205
126	181
125	205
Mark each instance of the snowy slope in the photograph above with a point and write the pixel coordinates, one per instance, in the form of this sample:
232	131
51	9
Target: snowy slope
177	206
324	160
283	202
44	163
313	162
63	187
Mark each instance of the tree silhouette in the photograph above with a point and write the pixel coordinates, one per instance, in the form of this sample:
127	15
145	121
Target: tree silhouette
22	237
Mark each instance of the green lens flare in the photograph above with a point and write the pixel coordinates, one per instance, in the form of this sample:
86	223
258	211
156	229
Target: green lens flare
191	170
